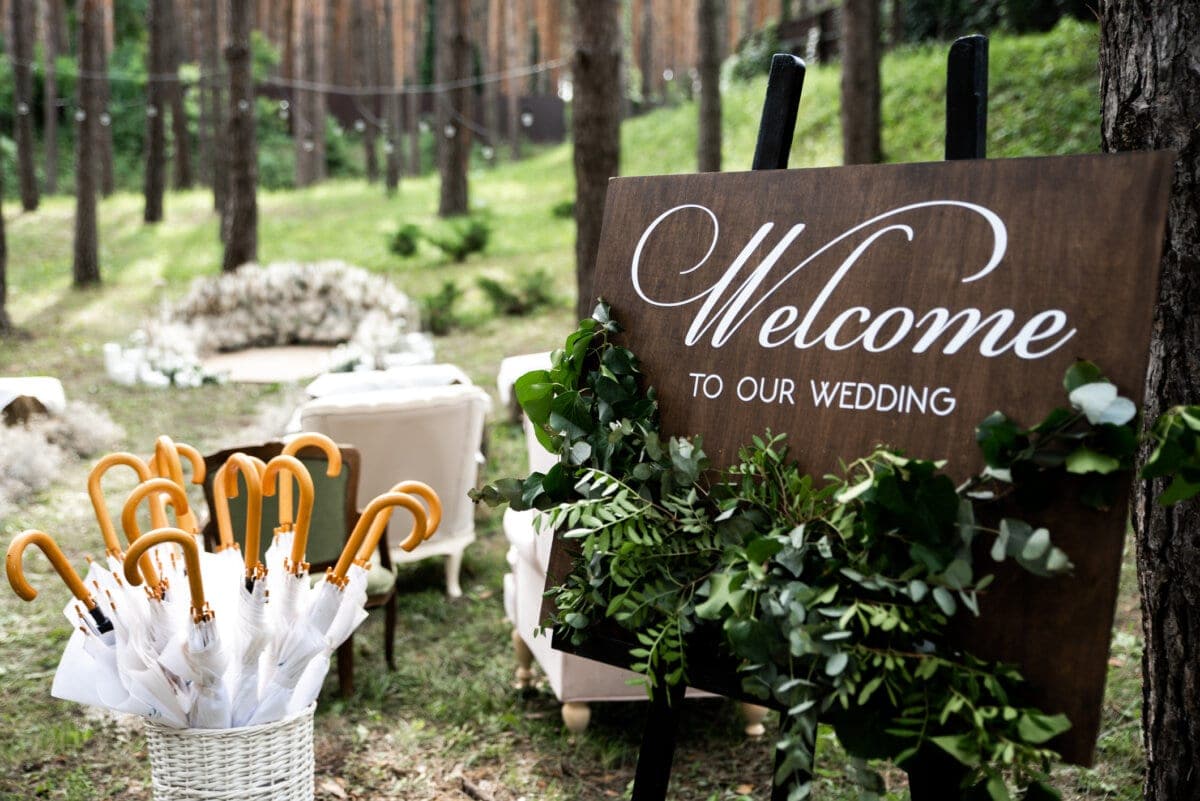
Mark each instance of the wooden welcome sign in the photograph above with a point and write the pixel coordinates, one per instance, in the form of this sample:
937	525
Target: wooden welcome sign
900	305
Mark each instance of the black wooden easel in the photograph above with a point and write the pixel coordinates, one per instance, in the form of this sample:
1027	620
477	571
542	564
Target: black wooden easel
932	776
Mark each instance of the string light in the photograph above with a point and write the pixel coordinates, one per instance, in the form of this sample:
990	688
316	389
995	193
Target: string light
22	108
151	111
105	119
668	74
527	119
450	130
489	152
360	126
389	148
80	115
243	105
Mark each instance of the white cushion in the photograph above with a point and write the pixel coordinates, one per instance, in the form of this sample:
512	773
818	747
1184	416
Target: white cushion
513	368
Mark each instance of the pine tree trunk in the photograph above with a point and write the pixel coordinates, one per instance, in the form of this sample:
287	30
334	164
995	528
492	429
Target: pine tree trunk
22	29
181	158
391	101
6	326
241	239
104	129
363	26
86	266
453	105
860	82
1150	90
646	51
516	22
412	111
203	86
155	175
709	26
216	117
322	23
53	22
596	129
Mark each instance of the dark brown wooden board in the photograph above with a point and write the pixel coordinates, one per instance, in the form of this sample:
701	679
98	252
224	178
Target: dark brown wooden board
1082	239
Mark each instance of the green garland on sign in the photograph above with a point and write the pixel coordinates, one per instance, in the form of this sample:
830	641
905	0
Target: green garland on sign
834	596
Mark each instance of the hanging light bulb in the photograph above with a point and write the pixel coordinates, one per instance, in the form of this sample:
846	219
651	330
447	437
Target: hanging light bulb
105	119
360	126
668	74
424	126
243	105
151	111
80	115
22	109
309	146
389	148
489	152
284	105
449	130
527	119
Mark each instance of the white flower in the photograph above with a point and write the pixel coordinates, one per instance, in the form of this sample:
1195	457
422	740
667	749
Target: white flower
1100	402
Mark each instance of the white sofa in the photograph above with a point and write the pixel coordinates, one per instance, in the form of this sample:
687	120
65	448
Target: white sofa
431	434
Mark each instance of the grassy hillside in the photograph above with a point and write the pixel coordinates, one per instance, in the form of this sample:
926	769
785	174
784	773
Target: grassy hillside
450	701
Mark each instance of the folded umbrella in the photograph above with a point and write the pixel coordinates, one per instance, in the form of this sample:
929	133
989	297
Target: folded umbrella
194	654
166	463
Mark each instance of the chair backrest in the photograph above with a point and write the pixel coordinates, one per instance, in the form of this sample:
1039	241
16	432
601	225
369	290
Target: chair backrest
431	434
334	509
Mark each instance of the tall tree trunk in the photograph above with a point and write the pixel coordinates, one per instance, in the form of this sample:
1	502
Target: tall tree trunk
323	23
710	23
391	101
516	23
301	113
1150	90
203	86
364	24
896	36
155	174
182	157
412	112
860	82
216	116
646	52
104	129
86	266
453	105
22	30
52	25
596	129
241	217
6	326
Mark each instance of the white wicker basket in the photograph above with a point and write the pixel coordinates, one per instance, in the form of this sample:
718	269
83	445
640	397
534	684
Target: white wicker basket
271	762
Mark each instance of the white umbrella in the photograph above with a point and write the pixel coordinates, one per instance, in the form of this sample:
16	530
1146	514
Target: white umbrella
281	547
195	654
167	604
337	609
250	629
291	585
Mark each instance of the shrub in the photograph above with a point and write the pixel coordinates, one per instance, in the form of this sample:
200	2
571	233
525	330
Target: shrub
462	237
404	241
564	209
438	309
531	293
753	57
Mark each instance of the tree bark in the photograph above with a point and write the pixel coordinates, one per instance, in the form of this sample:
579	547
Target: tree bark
89	98
596	129
453	105
53	24
860	82
709	25
412	111
182	157
21	26
241	239
391	101
216	118
1150	91
6	326
104	129
646	59
516	22
363	27
155	175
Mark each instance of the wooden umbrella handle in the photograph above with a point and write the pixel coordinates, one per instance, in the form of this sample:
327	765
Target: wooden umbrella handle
16	573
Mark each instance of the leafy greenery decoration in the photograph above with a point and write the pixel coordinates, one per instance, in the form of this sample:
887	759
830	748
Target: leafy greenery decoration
833	597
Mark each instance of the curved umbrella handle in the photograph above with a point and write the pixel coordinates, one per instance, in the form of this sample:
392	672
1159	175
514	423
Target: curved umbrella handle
284	463
107	529
379	522
191	557
432	501
168	465
225	489
358	537
333	455
16	573
158	516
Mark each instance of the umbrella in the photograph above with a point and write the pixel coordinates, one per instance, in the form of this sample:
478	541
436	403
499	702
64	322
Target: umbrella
282	543
292	570
88	672
336	609
166	463
194	654
250	620
113	545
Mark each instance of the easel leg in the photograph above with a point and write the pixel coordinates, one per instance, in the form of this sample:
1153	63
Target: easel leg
658	745
934	775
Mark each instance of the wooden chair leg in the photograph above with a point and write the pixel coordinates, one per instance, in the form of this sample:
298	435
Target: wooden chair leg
576	716
753	714
389	631
524	662
453	568
345	667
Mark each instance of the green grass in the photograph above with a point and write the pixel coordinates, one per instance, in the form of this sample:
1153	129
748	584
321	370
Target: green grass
449	704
